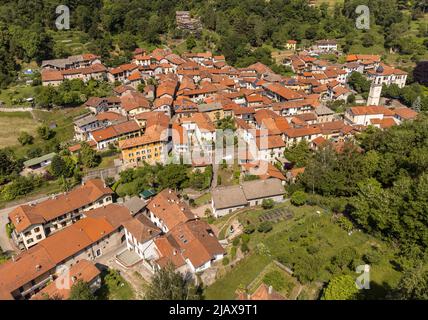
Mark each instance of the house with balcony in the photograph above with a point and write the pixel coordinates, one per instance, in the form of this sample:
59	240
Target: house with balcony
34	222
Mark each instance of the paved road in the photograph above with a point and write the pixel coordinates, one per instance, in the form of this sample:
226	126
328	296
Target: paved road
4	240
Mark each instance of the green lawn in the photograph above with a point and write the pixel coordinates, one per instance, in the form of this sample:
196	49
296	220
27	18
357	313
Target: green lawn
308	241
14	96
202	200
12	124
114	287
240	276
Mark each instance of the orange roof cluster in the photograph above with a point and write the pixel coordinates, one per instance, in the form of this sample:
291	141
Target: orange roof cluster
61	287
26	215
115	131
371	110
170	209
263	292
134	100
60	246
284	92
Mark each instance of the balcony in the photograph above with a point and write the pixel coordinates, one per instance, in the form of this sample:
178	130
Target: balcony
37	286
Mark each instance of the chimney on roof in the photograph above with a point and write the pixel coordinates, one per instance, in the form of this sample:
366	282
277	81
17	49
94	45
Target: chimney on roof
270	290
38	267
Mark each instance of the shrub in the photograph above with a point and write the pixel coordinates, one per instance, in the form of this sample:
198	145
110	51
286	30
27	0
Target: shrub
268	204
312	249
225	261
249	229
9	229
298	198
372	257
275	279
236	241
233	253
265	227
45	132
341	288
344	258
262	250
244	247
25	138
306	268
245	238
192	202
345	224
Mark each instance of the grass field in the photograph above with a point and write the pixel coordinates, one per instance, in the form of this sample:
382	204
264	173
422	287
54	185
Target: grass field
310	239
16	95
12	124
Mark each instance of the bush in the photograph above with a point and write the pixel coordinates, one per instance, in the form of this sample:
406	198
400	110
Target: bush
341	288
249	229
312	249
45	132
298	198
236	241
244	247
225	261
233	253
306	268
345	224
245	238
20	186
25	138
265	227
268	204
344	258
373	257
9	229
262	250
275	279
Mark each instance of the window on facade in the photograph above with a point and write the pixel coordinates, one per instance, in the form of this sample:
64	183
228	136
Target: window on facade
39	237
98	253
37	229
27	234
30	241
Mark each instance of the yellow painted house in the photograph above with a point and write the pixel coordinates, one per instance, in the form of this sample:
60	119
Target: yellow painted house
150	148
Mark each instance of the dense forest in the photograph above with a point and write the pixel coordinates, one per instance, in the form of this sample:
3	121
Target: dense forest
234	28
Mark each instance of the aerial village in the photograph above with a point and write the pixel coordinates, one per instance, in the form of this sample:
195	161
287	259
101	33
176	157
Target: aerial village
178	111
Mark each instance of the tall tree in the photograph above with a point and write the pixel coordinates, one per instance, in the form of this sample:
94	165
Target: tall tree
170	285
